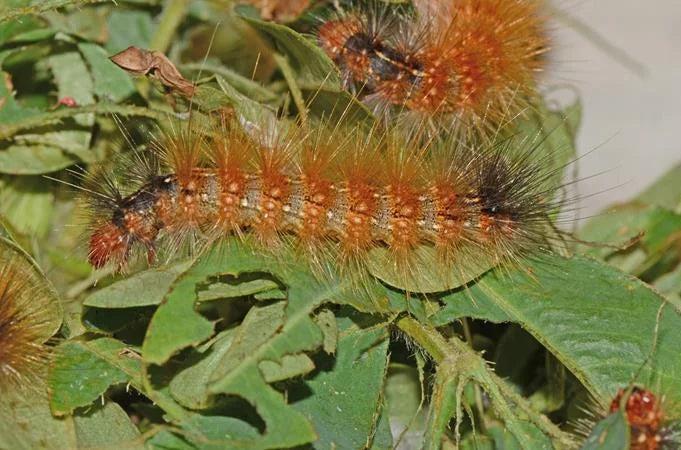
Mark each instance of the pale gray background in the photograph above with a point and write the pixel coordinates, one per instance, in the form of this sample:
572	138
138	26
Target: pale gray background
632	123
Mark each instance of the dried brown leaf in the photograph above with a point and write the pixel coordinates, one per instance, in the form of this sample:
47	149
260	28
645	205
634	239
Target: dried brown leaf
155	65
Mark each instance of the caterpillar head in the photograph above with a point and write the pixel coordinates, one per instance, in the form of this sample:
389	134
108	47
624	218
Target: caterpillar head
113	240
109	242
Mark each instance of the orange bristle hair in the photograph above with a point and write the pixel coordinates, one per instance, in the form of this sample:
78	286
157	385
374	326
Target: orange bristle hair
649	428
473	61
25	326
651	422
336	194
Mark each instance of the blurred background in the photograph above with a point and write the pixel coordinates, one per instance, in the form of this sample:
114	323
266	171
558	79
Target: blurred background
631	122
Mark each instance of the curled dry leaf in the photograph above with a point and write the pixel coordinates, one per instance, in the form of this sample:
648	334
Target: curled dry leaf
155	65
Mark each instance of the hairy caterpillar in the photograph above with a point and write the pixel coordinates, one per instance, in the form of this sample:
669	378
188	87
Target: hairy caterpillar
652	424
27	320
334	194
473	61
649	428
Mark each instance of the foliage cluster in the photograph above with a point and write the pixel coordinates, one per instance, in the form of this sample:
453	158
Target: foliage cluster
229	349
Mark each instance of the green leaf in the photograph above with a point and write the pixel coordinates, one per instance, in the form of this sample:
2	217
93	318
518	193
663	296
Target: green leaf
621	223
127	28
19	158
83	370
336	105
10	110
611	433
332	105
26	423
424	273
665	192
346	398
326	322
27	204
403	397
72	79
533	439
206	432
245	86
552	136
263	336
670	282
306	59
466	306
105	426
177	325
190	386
51	150
217	291
288	366
267	334
210	99
602	328
110	82
34	159
12	28
145	288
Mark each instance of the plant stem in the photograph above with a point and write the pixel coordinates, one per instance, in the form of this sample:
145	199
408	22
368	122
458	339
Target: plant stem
290	78
172	16
42	7
458	360
478	393
7	131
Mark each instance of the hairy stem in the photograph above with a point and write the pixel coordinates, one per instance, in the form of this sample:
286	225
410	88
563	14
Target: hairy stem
458	360
172	16
9	130
43	6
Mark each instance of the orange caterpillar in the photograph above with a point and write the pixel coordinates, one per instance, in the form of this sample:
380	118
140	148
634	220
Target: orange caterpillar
333	193
474	60
649	429
25	325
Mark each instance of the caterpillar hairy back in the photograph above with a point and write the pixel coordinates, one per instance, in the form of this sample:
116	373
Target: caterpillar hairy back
333	194
469	61
29	316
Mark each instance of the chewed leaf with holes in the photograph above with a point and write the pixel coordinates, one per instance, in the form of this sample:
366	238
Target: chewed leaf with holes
270	344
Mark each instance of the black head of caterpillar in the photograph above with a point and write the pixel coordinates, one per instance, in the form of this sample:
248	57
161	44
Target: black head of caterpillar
332	192
366	45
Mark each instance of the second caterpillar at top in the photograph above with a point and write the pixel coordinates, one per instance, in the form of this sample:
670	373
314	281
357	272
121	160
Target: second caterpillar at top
471	63
332	194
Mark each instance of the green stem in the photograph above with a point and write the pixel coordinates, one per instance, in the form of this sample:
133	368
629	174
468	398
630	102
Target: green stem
7	131
290	78
444	402
478	393
426	337
42	7
172	16
459	360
